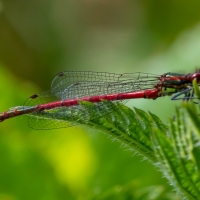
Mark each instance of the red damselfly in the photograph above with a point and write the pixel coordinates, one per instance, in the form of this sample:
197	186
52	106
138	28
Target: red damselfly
54	108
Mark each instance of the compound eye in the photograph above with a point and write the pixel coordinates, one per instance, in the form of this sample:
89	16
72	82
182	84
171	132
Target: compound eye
196	76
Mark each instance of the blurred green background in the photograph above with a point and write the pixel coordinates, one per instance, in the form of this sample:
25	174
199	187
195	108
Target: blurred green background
40	38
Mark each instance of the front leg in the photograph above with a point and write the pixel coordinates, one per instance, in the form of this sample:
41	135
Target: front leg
187	92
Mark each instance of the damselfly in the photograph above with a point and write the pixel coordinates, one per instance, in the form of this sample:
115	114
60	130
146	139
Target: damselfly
53	109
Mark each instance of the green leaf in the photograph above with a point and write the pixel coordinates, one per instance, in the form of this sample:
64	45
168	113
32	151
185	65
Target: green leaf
196	88
178	152
174	149
193	114
196	153
127	126
159	124
175	156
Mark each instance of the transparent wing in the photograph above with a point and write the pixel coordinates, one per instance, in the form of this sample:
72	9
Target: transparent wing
77	84
74	85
